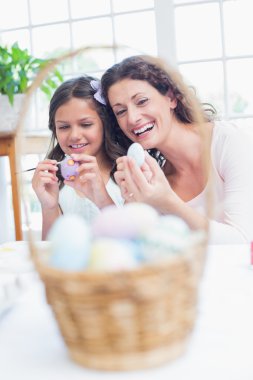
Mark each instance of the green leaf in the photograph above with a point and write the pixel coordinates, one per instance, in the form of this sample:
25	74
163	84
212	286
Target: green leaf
18	68
46	89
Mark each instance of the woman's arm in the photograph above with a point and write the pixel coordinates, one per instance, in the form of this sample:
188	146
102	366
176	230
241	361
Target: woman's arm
233	162
234	159
156	191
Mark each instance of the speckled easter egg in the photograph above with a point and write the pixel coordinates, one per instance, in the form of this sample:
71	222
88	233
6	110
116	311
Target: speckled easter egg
137	152
127	222
68	168
170	236
112	255
70	243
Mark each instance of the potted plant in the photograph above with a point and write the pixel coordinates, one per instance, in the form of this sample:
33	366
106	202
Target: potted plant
17	71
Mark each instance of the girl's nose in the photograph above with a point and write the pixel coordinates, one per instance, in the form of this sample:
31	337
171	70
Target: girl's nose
75	134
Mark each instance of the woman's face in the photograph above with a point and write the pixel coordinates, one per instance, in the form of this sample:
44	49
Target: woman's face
142	112
79	128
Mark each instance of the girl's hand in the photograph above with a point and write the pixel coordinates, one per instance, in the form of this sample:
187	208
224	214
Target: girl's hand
146	184
45	184
90	182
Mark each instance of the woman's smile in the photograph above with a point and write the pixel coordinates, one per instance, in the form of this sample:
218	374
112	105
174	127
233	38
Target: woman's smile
142	112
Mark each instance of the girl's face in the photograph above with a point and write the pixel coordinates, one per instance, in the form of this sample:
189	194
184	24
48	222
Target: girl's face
79	128
143	114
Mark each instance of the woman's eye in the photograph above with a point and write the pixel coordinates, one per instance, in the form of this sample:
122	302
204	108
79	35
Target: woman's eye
120	112
142	101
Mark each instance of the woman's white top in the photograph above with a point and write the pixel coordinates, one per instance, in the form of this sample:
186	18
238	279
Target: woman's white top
72	203
232	186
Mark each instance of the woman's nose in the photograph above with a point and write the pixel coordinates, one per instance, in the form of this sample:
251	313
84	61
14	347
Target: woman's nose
134	115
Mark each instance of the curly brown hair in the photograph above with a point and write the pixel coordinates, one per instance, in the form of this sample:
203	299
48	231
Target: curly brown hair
156	73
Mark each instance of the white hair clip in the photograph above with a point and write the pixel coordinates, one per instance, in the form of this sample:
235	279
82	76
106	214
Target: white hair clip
96	85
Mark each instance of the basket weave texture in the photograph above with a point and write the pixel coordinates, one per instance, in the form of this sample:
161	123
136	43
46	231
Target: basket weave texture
129	319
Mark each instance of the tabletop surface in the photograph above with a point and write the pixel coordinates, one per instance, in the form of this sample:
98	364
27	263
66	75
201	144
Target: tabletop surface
221	345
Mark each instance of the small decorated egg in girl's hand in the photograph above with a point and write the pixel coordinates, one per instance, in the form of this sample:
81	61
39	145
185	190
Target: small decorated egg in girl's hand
68	168
137	153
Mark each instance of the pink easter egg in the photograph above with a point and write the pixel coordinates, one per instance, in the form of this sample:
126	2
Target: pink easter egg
68	168
127	222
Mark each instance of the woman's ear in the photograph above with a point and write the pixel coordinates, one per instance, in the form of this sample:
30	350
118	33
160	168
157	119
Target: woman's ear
172	99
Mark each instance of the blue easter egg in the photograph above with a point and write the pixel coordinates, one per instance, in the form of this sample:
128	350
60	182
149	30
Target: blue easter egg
70	243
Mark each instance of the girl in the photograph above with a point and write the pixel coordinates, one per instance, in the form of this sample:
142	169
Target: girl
147	106
77	119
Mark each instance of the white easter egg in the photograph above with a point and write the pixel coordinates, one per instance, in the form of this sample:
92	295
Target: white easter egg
143	217
137	152
70	243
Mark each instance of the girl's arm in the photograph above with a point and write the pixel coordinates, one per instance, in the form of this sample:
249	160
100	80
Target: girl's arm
45	185
49	216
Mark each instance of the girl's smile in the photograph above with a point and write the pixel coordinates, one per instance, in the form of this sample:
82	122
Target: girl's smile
79	128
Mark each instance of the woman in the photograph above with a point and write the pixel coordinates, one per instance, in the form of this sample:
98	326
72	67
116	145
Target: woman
149	107
77	120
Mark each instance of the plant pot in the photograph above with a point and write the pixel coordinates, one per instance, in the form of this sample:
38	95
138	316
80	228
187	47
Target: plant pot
9	113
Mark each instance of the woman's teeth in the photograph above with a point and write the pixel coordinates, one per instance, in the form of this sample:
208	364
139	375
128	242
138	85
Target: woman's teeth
141	130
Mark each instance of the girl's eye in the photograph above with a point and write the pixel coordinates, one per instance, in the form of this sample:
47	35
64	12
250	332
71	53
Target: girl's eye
142	101
63	126
86	125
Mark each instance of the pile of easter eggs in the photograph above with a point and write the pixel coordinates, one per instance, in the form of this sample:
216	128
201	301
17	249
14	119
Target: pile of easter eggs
118	239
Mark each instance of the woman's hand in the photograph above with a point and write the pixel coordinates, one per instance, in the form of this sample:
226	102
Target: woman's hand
147	184
45	184
122	164
89	181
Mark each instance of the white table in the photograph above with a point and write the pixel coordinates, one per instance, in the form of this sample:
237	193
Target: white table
221	346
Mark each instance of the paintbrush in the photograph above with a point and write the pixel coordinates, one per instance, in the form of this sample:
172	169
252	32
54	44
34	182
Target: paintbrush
31	169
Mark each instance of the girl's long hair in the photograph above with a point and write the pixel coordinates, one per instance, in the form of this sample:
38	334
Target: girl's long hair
74	88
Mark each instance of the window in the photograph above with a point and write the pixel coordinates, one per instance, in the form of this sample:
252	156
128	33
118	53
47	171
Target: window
49	28
197	35
215	56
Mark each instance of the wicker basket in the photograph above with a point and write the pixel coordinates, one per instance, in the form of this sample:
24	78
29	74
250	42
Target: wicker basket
122	320
126	320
